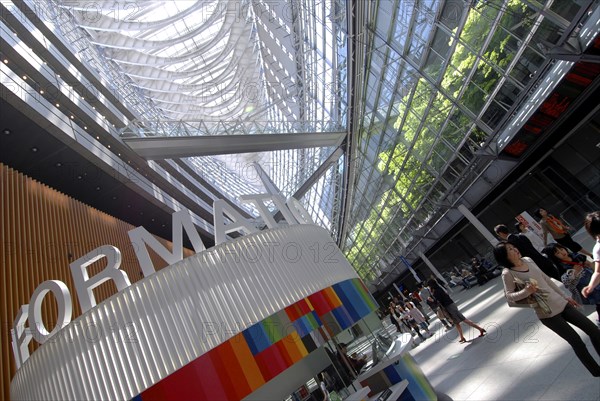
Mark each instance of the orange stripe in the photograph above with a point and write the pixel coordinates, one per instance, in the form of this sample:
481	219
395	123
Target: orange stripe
332	297
310	306
247	361
232	371
294	347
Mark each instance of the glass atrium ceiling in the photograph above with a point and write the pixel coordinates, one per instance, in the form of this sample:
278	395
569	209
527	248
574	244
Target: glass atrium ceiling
228	67
424	89
222	61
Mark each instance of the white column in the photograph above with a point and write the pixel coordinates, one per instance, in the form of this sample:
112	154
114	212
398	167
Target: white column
414	273
399	292
477	224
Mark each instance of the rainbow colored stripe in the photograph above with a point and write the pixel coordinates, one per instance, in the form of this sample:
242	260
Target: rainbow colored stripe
240	365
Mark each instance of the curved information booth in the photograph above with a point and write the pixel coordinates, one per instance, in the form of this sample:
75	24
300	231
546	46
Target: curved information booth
220	324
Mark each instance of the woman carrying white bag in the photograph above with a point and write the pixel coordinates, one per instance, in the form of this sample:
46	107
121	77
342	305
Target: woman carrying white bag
523	278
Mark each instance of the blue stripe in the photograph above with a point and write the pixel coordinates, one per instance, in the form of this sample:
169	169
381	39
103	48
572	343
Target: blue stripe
257	338
341	291
341	315
358	302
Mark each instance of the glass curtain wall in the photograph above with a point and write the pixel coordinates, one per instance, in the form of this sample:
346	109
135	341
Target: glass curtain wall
441	77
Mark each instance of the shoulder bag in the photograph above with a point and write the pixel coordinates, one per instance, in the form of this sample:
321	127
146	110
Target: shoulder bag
529	302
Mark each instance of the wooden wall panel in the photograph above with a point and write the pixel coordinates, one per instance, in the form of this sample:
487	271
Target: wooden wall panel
43	231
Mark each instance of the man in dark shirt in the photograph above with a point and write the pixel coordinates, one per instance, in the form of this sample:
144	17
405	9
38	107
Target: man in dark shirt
526	248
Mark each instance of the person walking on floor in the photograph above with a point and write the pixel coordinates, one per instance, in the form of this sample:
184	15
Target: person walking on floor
424	293
592	226
522	277
409	321
558	230
439	312
526	248
416	299
418	317
448	304
395	319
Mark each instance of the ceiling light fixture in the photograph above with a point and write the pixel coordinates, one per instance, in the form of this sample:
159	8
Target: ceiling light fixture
6	131
34	149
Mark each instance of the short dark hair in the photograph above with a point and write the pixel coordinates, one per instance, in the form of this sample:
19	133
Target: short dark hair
501	229
537	213
501	254
592	224
517	227
433	283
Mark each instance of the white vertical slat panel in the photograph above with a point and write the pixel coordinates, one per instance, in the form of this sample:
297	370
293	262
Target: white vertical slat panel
170	310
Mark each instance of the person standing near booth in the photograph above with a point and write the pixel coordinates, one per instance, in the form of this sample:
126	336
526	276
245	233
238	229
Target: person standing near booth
558	230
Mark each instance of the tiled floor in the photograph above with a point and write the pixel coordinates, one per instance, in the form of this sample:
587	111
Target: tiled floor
519	359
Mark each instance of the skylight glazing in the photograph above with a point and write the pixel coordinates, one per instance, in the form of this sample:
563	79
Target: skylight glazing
221	60
227	67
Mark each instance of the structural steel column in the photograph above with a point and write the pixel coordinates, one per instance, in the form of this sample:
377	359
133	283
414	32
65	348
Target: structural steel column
477	224
414	273
399	292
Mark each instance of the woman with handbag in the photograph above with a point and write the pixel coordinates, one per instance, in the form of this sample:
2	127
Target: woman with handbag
448	304
523	278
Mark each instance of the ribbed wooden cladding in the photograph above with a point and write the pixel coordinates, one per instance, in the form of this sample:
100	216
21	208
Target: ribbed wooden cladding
43	231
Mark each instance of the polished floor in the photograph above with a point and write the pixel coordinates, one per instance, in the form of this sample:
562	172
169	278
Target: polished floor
519	359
